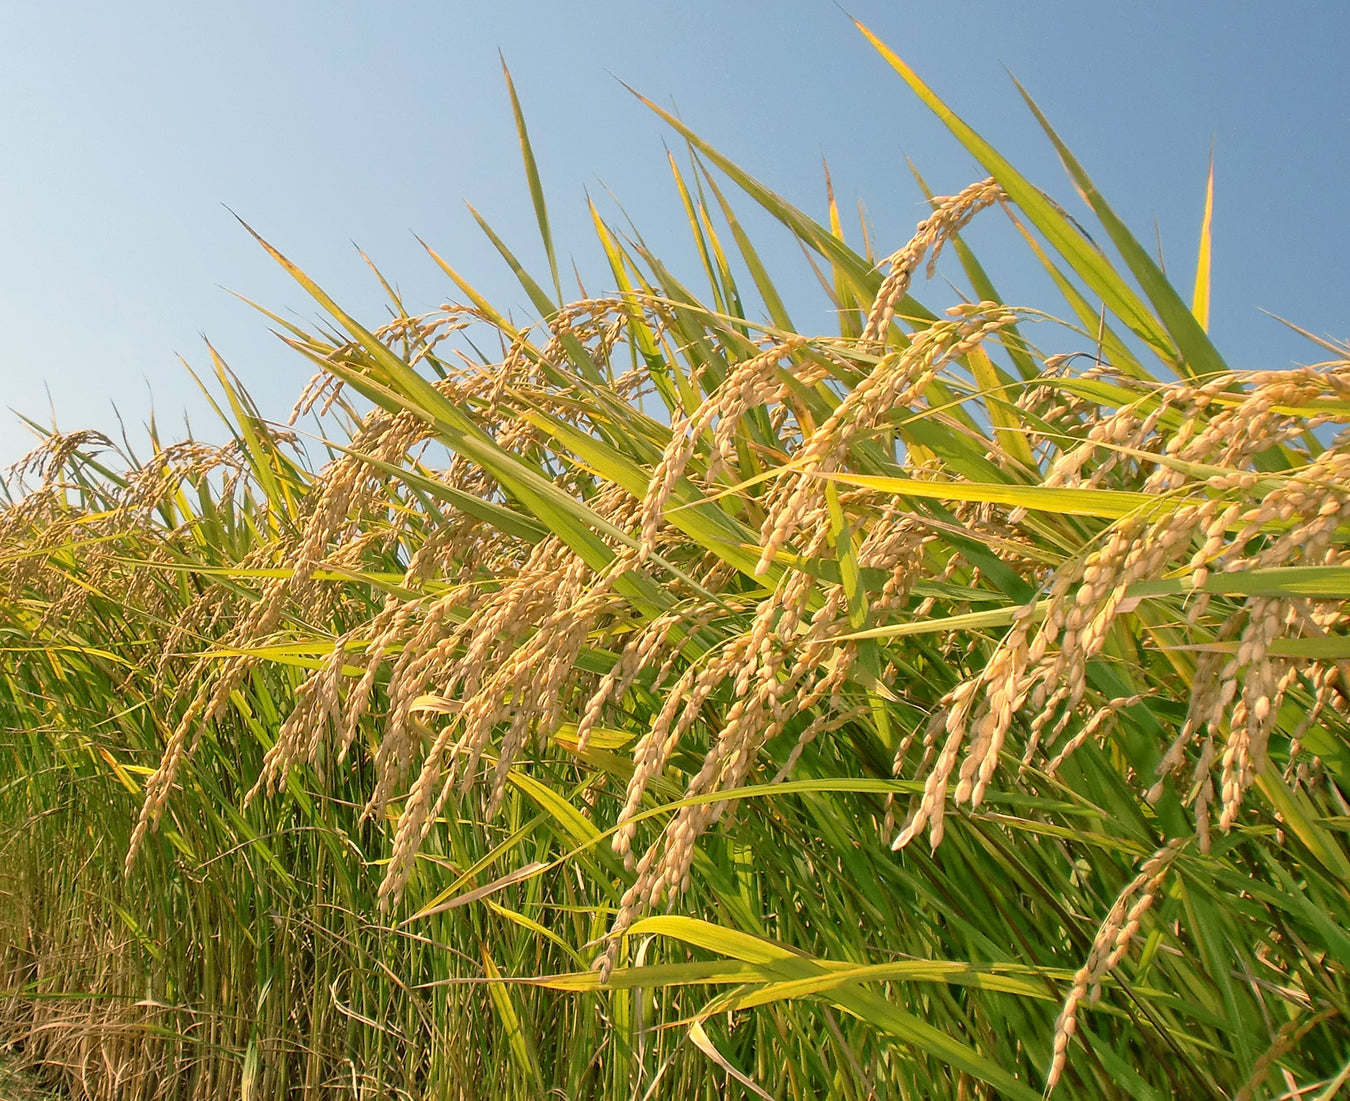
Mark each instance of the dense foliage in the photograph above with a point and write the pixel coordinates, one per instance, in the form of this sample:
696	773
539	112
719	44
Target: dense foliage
659	701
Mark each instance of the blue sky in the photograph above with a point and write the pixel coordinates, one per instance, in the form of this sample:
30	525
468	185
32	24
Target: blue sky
129	128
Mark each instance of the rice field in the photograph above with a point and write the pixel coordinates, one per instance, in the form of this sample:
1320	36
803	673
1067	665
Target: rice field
659	701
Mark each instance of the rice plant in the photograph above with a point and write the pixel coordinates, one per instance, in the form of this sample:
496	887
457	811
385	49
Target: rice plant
659	701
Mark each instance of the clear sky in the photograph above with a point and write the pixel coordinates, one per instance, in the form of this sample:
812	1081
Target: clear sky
127	128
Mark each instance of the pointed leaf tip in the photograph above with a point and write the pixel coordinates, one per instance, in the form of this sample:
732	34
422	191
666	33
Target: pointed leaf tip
1200	296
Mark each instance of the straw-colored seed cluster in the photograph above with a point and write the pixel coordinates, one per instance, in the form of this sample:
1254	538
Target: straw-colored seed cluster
1038	673
1108	949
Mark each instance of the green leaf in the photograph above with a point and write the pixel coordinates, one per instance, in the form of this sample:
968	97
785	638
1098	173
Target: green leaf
519	1042
1059	230
871	1008
1199	358
532	176
1111	504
